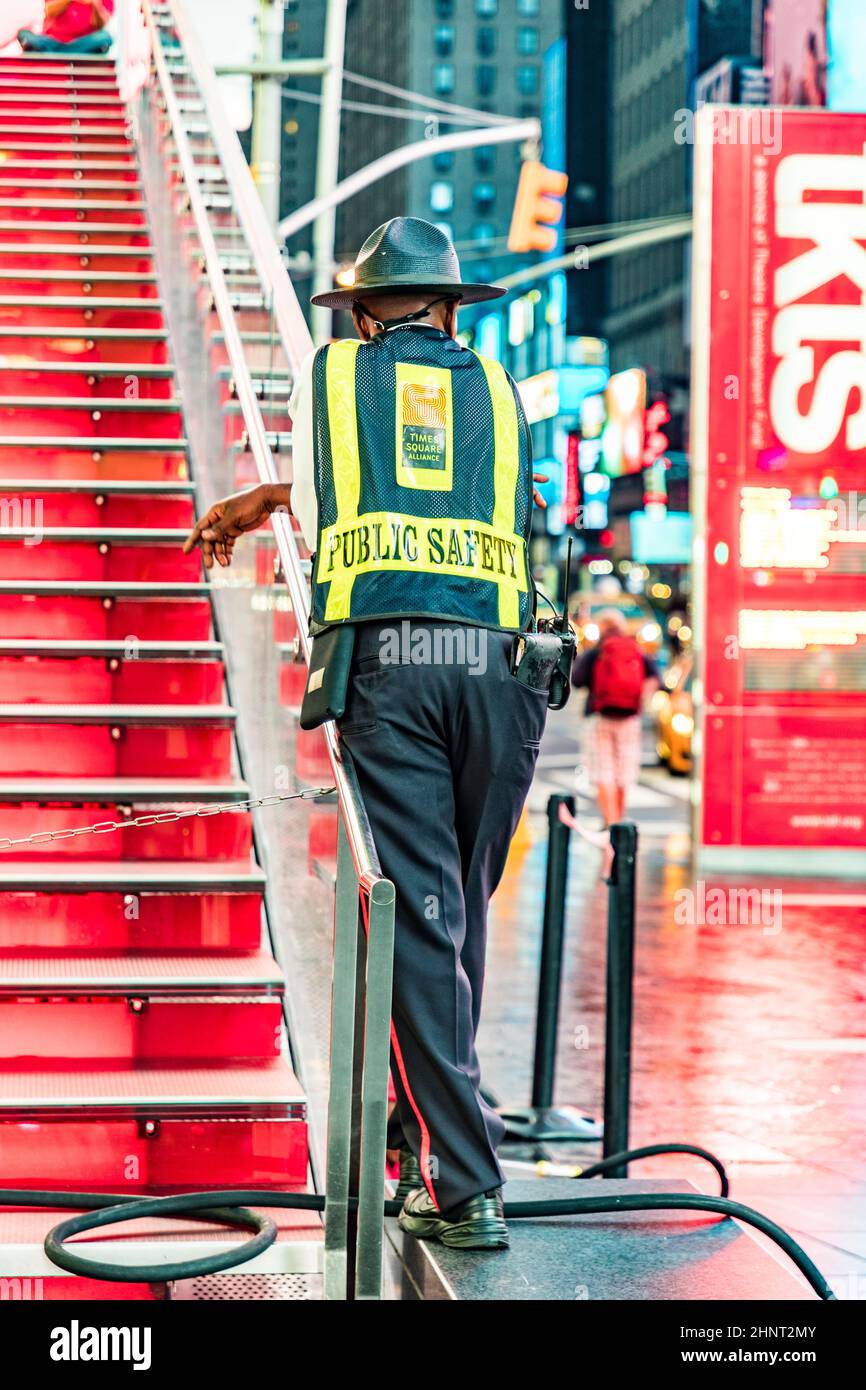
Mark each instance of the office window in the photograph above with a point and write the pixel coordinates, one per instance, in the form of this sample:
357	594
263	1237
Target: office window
484	194
485	159
485	79
485	40
443	78
483	233
444	8
441	196
527	40
443	162
528	7
527	110
485	9
443	39
527	80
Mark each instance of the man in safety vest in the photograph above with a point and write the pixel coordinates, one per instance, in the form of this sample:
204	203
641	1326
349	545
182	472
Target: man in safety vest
413	486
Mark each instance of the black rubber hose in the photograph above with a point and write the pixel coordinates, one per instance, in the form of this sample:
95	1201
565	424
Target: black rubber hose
230	1206
596	1170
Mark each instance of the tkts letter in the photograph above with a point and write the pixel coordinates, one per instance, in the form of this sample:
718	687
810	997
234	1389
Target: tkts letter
837	229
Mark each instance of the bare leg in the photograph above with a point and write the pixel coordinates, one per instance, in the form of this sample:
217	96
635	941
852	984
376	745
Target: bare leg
607	802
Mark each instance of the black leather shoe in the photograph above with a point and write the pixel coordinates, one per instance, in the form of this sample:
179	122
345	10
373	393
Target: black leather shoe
479	1224
410	1175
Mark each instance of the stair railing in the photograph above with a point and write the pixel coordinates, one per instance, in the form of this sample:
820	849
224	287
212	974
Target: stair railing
363	960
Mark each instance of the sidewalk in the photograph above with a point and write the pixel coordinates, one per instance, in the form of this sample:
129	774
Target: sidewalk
748	1037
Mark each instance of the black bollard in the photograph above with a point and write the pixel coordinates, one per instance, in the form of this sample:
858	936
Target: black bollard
552	939
620	982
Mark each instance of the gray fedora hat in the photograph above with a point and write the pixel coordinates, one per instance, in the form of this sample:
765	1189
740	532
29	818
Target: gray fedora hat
407	253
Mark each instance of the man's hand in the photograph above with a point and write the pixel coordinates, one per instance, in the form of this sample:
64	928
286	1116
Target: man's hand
536	494
219	528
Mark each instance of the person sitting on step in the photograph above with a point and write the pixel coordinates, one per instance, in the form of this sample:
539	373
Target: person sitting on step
71	26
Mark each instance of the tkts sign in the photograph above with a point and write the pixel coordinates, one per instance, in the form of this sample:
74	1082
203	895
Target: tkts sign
778	437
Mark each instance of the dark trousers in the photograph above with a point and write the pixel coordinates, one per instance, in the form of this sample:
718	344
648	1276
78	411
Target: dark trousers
445	752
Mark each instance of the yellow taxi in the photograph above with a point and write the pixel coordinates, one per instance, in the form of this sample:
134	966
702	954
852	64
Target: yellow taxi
674	712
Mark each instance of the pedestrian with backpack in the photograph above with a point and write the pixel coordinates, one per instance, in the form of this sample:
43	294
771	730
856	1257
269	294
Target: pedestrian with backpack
615	672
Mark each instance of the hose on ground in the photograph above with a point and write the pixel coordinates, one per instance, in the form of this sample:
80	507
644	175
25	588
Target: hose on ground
233	1208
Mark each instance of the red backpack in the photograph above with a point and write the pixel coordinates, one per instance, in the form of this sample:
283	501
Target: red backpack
618	675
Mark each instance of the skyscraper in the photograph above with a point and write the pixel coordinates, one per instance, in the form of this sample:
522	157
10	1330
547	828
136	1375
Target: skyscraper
483	54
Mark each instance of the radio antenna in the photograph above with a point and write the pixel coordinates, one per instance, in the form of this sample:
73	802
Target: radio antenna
566	585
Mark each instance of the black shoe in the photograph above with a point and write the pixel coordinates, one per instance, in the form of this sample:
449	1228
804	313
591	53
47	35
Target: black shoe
478	1224
410	1175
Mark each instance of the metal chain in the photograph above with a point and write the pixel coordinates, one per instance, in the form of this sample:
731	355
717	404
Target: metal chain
105	827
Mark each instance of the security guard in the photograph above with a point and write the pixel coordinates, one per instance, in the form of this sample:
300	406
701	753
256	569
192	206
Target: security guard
413	486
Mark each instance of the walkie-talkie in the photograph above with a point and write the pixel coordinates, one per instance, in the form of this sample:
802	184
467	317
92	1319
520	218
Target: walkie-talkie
560	681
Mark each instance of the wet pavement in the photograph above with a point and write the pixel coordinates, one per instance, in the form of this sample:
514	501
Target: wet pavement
749	1036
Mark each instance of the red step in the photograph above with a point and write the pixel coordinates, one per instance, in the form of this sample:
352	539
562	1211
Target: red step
146	905
95	502
58	805
119	672
94	611
117	740
162	1129
71	1012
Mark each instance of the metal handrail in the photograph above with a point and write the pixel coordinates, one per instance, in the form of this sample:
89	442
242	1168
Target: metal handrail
250	212
360	1017
290	321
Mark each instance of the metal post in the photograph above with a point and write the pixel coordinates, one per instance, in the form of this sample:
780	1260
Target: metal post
620	982
374	1120
552	939
342	1050
267	111
328	158
542	1122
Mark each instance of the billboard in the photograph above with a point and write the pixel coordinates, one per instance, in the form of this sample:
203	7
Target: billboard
779	433
795	51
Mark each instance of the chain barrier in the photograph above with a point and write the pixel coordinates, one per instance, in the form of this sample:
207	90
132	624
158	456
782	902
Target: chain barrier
106	827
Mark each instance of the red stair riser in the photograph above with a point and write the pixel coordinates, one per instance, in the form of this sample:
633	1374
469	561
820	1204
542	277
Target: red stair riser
96	1154
169	620
78	348
292	683
40	1032
78	142
33	380
85	509
69	750
75	258
86	420
311	756
113	921
86	680
97	283
54	316
14	232
57	462
50	191
78	216
70	560
199	839
71	1289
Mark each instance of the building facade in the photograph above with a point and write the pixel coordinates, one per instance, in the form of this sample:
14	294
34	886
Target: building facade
487	55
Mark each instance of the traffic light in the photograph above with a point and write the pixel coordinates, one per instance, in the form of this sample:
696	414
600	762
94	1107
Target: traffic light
536	208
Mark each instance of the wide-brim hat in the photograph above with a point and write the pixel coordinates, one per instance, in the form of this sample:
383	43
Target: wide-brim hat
408	253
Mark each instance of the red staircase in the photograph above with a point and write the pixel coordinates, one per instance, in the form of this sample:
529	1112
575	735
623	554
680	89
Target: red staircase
142	1045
